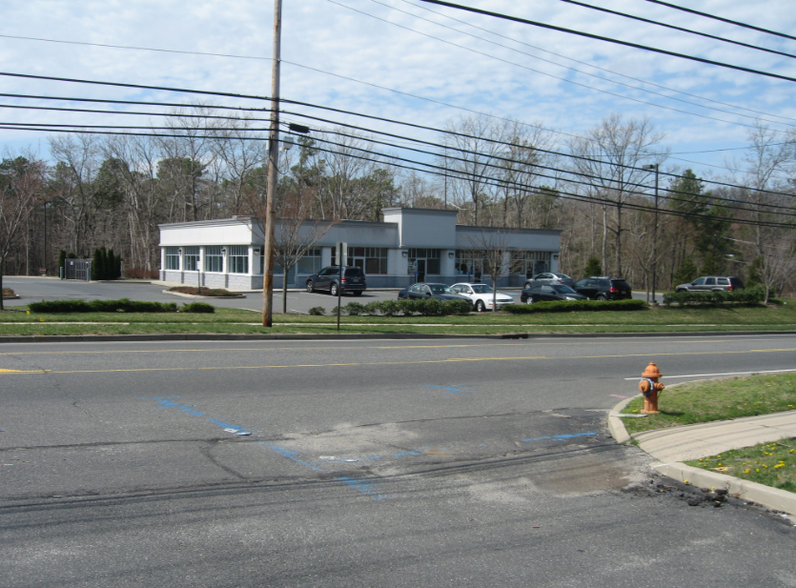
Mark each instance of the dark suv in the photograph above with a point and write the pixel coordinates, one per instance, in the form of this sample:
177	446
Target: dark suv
603	288
330	280
711	284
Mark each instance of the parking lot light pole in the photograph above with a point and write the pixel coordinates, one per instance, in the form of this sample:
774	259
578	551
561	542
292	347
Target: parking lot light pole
651	167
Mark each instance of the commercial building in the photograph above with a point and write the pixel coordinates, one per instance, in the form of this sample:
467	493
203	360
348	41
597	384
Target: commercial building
411	245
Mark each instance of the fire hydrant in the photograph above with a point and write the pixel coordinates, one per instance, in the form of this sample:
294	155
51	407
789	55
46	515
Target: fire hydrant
651	388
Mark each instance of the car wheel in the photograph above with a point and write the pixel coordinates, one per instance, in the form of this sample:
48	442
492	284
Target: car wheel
528	285
309	286
333	289
529	300
681	290
601	297
357	292
479	306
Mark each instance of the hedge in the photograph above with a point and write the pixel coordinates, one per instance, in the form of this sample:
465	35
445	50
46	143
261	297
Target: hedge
123	305
409	307
575	305
750	296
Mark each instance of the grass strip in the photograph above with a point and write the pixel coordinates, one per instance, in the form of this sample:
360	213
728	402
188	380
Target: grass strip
772	464
716	400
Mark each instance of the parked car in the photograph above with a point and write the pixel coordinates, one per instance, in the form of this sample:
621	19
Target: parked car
544	292
549	278
604	288
712	283
329	280
482	296
430	290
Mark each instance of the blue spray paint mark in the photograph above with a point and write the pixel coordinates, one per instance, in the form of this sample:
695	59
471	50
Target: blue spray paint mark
363	486
560	437
166	402
290	454
449	389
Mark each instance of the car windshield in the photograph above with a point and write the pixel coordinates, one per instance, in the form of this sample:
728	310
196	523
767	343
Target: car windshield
561	289
440	289
481	289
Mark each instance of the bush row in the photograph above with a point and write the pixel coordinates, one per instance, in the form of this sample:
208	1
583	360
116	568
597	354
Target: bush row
406	307
123	305
746	296
575	305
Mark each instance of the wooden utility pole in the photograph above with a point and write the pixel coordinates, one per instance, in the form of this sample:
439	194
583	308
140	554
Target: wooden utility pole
273	171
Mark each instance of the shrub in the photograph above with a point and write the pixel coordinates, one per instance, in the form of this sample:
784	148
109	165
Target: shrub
317	311
575	305
123	305
354	309
750	296
198	307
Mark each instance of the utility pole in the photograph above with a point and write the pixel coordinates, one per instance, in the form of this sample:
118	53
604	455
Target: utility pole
651	167
273	171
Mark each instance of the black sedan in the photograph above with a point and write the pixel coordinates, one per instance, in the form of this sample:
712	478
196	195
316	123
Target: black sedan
549	292
430	290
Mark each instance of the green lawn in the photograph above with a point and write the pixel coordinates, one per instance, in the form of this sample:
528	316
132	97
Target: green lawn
651	320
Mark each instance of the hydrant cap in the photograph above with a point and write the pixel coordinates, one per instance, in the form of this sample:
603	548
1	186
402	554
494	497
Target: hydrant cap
652	372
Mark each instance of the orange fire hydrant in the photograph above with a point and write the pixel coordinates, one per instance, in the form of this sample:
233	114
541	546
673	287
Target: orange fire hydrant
651	388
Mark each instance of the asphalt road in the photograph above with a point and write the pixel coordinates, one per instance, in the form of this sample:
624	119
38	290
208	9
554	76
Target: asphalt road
250	464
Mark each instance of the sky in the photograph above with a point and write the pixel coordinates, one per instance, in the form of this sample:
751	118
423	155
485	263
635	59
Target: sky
415	62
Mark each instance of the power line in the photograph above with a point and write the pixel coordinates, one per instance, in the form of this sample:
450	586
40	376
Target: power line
342	111
677	28
727	20
611	40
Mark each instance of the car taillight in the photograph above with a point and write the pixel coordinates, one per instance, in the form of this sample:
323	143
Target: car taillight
613	290
729	288
343	279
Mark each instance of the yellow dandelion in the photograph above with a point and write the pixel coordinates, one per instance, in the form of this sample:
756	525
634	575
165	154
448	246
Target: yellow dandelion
779	465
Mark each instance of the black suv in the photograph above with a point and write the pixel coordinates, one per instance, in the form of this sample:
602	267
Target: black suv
711	284
329	280
603	288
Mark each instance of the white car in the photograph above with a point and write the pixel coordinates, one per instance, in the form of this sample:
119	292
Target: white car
482	296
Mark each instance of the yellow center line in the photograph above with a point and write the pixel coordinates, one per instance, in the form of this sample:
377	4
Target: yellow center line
385	363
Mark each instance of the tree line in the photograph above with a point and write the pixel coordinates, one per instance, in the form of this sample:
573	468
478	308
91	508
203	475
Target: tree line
110	192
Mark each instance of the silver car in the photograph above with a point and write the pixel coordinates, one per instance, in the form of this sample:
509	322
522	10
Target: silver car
549	278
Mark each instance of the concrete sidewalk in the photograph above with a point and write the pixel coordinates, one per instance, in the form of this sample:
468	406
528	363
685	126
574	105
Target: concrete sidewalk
672	446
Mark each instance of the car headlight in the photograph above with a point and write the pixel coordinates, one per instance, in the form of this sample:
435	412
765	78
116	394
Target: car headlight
569	298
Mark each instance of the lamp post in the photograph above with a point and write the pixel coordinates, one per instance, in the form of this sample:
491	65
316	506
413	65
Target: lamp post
654	167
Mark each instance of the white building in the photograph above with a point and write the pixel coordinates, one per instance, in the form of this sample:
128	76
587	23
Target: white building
411	245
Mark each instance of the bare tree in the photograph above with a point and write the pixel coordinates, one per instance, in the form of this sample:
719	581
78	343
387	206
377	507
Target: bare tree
22	182
492	246
471	157
608	162
296	234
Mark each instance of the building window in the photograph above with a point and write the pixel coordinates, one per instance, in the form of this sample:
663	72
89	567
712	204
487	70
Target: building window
530	263
238	259
311	262
191	259
172	258
431	257
469	262
214	259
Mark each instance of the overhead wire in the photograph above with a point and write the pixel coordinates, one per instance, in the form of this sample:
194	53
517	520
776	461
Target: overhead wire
341	111
612	40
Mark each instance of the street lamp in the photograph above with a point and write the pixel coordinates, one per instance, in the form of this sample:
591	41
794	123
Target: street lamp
651	167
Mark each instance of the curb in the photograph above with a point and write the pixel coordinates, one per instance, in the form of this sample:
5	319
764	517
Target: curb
772	498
